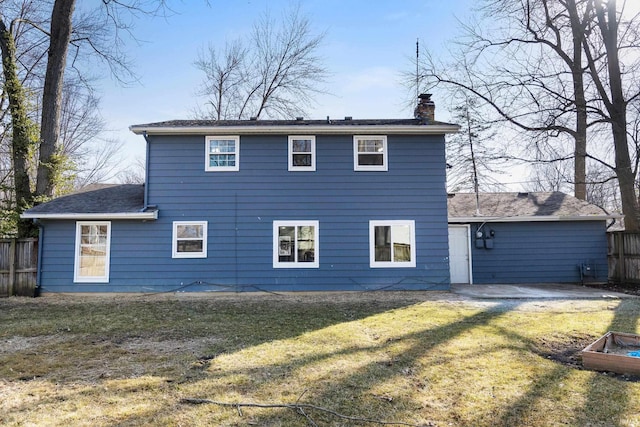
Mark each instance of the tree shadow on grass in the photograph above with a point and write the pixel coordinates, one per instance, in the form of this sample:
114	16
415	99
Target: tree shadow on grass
240	322
357	385
360	389
600	390
547	386
543	390
335	394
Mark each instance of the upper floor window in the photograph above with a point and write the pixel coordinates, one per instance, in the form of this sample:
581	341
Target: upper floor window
189	239
222	153
302	153
93	246
392	243
295	244
370	153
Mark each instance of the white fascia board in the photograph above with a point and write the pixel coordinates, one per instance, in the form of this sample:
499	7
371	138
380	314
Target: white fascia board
151	215
312	129
549	218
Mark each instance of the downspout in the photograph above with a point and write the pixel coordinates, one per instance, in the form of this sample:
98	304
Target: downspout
146	170
36	291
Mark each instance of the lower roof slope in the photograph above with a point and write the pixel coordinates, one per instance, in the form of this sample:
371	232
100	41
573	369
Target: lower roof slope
514	206
111	201
98	201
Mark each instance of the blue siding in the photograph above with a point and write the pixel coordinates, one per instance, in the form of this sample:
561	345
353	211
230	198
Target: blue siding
540	252
240	208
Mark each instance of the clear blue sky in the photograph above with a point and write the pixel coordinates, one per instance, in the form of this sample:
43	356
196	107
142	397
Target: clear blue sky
368	43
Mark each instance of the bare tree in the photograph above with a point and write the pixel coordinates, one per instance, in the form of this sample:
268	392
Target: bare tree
471	156
524	60
23	128
35	47
224	79
23	57
272	74
135	174
549	176
602	188
90	157
99	34
605	68
531	68
60	36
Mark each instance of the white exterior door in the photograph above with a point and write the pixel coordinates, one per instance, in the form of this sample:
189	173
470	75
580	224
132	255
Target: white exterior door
459	254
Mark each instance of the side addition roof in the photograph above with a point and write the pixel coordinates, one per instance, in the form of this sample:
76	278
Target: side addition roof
100	201
522	207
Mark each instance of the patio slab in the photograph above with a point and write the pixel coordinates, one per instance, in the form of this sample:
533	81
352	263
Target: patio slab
536	291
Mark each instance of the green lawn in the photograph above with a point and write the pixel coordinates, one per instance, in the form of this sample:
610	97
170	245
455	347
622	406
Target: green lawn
418	358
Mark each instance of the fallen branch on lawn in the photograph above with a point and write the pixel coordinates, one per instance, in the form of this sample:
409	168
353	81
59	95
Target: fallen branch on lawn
300	409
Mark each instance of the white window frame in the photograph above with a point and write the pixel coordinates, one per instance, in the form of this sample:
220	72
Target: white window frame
385	158
294	168
77	278
372	246
207	153
276	244
174	240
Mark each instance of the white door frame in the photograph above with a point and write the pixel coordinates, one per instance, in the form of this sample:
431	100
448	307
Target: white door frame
468	233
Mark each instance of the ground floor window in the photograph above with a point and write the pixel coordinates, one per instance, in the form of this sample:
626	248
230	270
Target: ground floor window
189	239
93	243
295	244
392	244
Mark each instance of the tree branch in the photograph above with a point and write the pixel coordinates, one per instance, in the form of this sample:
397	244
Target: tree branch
510	118
31	23
299	408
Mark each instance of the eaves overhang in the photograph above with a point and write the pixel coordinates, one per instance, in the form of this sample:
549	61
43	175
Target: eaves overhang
437	129
148	215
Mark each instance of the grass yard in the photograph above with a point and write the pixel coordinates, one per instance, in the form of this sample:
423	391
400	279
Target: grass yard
407	358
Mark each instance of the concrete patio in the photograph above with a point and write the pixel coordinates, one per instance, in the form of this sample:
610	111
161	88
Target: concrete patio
536	291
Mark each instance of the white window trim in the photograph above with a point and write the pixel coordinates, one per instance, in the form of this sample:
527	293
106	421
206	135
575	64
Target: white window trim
311	168
385	158
174	240
77	278
276	244
372	247
207	144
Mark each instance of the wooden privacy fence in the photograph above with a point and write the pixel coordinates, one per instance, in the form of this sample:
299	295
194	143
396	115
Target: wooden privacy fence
624	257
18	267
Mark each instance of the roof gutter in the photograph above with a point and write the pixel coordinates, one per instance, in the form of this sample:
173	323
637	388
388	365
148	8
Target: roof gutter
293	129
546	218
144	215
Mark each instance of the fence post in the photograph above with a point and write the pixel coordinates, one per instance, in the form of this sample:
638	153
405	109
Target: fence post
623	270
12	267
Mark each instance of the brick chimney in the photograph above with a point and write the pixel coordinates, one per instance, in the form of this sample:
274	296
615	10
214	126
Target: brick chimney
426	108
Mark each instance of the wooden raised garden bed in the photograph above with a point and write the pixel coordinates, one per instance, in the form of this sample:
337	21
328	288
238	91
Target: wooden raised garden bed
617	352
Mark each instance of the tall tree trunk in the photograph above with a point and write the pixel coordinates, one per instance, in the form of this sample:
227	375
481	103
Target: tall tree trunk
577	73
49	165
617	108
22	129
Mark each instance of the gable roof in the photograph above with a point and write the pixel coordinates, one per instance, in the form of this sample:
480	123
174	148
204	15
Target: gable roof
98	201
522	207
328	126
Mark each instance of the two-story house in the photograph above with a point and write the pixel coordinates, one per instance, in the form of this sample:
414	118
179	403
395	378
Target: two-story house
275	205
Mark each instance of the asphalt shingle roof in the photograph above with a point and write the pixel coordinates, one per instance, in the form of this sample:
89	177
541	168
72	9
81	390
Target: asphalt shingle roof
129	198
511	205
301	123
100	198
